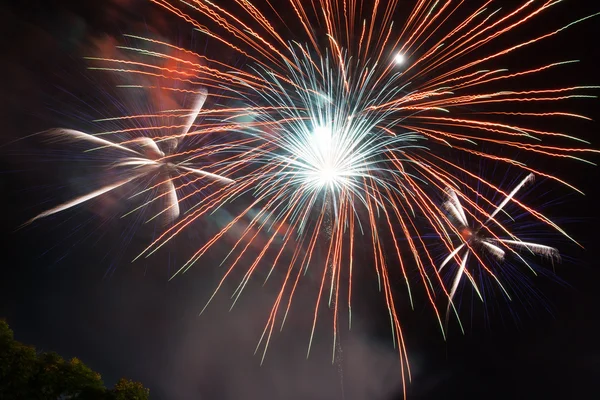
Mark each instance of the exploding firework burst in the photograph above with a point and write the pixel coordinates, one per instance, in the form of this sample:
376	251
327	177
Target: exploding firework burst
144	157
350	129
481	238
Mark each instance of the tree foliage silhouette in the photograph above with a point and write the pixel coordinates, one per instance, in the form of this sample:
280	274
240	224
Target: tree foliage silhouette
26	374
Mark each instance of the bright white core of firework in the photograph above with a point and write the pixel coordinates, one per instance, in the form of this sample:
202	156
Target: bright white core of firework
326	173
331	136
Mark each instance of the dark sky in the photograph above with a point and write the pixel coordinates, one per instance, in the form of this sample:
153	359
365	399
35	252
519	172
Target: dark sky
67	284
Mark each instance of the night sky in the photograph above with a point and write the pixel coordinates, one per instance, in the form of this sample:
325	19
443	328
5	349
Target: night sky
67	284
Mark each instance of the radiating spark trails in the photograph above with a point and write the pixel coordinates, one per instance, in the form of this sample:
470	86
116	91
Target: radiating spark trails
343	124
482	238
149	160
350	127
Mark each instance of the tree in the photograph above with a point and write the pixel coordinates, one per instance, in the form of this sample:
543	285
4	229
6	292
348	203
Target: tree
129	390
56	377
17	363
24	374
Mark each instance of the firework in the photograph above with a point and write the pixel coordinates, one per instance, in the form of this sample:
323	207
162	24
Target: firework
349	132
142	157
481	238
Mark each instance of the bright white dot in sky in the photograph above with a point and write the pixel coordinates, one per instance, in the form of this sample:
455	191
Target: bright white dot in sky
399	59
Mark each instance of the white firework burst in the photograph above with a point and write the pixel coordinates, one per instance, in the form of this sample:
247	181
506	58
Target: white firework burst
480	238
145	157
326	131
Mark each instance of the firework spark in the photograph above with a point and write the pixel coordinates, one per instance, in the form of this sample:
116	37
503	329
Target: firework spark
482	238
144	157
